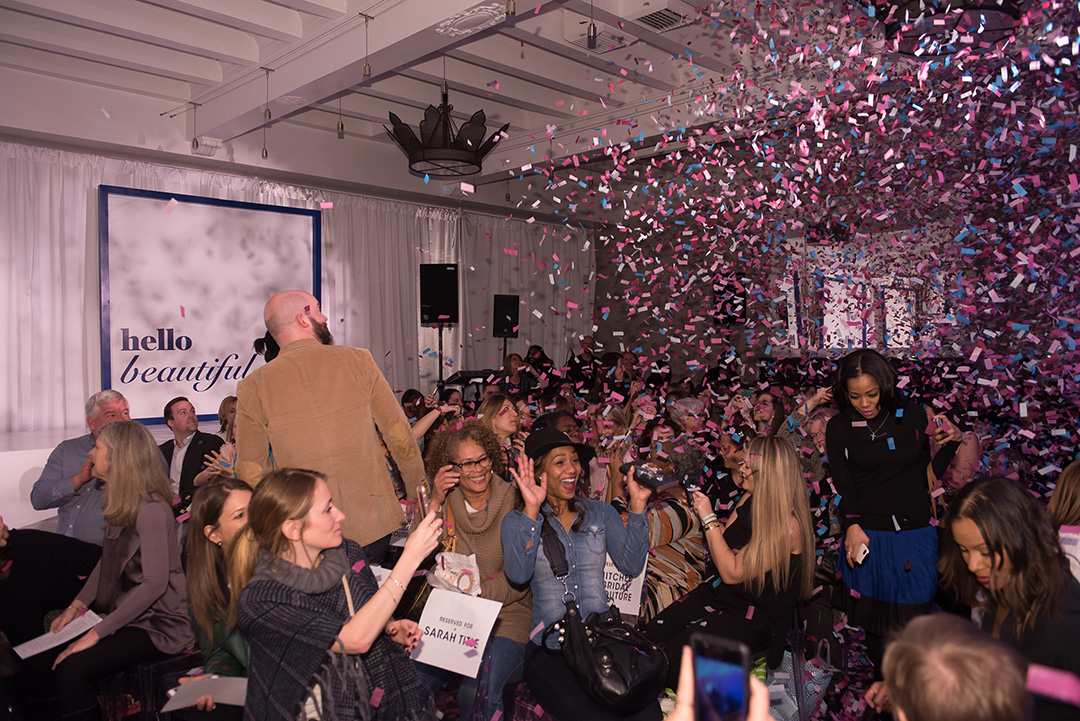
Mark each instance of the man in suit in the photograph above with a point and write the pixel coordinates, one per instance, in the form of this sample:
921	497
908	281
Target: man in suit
318	407
185	455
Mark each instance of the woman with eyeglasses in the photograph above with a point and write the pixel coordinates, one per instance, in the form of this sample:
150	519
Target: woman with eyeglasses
470	494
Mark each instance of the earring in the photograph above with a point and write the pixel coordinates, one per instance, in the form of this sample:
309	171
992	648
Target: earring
219	544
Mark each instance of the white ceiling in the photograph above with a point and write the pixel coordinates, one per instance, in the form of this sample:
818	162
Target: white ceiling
63	61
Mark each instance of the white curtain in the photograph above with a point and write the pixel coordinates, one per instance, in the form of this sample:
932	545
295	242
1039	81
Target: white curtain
552	270
372	250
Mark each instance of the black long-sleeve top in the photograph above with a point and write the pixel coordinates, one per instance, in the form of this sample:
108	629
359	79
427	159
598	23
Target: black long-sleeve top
883	482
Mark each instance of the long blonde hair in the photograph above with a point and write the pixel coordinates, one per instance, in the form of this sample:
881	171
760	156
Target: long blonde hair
779	495
282	495
135	472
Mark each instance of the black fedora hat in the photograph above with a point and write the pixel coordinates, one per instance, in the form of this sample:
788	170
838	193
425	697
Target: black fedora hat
540	442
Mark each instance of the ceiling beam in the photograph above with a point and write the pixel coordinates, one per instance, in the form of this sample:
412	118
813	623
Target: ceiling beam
505	95
149	24
502	70
322	8
600	63
250	16
67	68
65	39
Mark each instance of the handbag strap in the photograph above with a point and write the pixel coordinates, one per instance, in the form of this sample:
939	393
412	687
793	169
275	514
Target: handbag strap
555	551
348	595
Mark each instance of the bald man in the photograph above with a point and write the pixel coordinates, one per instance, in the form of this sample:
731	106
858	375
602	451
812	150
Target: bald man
317	406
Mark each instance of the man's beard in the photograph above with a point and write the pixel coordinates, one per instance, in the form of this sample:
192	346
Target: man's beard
322	332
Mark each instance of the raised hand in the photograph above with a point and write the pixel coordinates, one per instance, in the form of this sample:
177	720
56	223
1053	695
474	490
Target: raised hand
422	541
702	505
445	479
85	474
639	494
533	492
947	432
431	400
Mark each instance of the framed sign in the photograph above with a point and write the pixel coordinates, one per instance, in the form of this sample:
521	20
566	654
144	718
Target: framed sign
183	283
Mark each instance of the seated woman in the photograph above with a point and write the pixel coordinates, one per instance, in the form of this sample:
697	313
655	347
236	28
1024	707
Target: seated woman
500	416
765	558
470	494
1000	554
547	477
219	511
518	377
138	583
319	626
226	414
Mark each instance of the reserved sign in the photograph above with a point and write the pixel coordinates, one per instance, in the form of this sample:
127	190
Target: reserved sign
455	629
624	591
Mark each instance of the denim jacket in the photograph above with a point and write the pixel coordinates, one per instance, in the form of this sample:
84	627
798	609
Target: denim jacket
602	533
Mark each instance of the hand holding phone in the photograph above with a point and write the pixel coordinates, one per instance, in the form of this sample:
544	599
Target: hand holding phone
862	553
721	677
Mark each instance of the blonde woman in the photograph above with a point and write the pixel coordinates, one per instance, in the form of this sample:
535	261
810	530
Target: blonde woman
138	586
764	557
321	636
500	416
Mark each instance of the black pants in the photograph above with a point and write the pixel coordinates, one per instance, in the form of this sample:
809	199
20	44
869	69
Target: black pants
70	687
704	609
377	550
557	690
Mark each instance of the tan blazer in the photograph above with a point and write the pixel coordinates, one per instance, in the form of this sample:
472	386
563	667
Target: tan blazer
317	407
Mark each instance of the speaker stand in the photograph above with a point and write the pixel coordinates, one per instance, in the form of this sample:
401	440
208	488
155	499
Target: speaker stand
440	356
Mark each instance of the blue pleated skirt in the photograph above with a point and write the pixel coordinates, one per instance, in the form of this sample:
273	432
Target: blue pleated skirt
897	581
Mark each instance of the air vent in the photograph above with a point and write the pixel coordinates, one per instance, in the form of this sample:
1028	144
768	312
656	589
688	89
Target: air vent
662	20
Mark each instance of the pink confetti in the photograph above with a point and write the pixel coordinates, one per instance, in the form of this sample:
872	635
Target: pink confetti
6	567
1054	683
359	565
326	206
376	697
183	313
471	642
749	613
170	206
183	517
538	629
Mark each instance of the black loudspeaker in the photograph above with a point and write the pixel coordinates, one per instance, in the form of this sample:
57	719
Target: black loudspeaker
505	317
438	294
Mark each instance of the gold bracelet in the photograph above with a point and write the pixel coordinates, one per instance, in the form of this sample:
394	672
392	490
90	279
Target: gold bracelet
709	526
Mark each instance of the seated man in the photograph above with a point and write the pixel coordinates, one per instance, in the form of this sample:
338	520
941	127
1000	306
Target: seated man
943	667
185	455
67	482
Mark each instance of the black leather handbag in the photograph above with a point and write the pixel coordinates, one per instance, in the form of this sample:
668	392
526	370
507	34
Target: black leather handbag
616	665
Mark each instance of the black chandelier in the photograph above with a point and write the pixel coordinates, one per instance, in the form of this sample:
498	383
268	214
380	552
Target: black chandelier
943	27
442	149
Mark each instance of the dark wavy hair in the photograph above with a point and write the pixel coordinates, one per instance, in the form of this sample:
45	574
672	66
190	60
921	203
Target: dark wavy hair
1016	528
441	448
871	363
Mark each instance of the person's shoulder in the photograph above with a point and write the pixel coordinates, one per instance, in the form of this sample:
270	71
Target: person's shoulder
79	443
155	510
353	550
211	438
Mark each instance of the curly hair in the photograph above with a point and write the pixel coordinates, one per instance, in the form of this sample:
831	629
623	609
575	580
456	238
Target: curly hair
441	449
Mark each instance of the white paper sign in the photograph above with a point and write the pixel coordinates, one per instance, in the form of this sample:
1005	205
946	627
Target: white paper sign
455	629
231	690
70	632
622	590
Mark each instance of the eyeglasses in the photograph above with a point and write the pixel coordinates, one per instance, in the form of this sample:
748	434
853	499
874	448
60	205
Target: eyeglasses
470	466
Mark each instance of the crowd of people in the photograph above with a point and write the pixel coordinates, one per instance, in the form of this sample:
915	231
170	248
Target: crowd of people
825	507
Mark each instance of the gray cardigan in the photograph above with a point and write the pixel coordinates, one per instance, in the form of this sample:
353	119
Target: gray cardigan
139	581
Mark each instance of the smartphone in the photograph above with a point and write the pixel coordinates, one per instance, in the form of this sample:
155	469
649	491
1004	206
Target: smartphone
422	497
862	553
721	678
